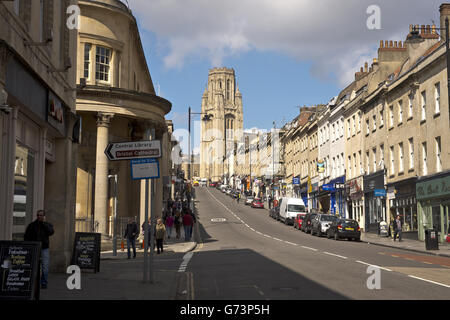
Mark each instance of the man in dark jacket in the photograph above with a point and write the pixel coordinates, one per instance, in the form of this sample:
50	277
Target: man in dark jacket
39	230
131	232
398	228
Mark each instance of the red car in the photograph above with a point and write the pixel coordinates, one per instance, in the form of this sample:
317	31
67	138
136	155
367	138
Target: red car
212	184
257	203
298	220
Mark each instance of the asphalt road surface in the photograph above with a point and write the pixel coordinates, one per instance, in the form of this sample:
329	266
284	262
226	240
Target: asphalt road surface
245	254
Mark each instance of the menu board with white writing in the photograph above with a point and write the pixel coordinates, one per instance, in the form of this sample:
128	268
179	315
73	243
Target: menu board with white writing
86	251
19	269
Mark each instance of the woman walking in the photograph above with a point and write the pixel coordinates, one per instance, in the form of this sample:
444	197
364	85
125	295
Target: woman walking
169	225
178	223
160	233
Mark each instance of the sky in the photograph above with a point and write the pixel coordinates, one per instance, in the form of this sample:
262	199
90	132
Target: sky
285	53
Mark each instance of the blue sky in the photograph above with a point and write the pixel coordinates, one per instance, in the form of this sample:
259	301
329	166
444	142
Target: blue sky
285	53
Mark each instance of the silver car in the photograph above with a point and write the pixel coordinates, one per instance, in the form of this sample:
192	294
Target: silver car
249	201
321	223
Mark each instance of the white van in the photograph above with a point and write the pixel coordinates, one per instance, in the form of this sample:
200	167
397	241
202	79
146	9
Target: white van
203	182
289	208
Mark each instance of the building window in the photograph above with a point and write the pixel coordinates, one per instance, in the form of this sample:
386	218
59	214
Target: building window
367	163
374	155
41	21
23	191
367	126
438	154
391	116
359	122
348	129
342	166
360	162
411	153
374	119
354	165
381	119
349	167
410	106
87	52
228	89
400	112
102	59
400	157
424	105
382	156
353	125
424	159
437	97
391	156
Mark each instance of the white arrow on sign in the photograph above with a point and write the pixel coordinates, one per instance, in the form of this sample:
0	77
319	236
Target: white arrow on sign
133	150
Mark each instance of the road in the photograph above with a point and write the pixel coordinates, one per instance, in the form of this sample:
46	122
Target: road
245	254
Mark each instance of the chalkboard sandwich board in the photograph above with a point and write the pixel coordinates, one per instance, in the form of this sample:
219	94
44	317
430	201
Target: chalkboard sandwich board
19	270
86	251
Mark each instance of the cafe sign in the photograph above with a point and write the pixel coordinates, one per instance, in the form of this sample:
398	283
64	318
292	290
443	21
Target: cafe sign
433	189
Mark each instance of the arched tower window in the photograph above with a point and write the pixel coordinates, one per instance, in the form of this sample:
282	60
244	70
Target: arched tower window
228	89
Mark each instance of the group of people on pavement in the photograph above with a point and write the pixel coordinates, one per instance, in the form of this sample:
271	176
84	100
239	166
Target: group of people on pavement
176	214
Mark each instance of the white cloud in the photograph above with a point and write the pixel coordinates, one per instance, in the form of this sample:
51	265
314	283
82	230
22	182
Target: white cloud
332	34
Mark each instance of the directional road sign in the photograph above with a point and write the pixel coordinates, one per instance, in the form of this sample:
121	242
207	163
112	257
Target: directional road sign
133	150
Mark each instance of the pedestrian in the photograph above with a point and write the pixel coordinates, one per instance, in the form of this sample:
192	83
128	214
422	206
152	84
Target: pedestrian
131	232
169	225
398	228
160	233
188	222
149	225
238	197
177	223
40	230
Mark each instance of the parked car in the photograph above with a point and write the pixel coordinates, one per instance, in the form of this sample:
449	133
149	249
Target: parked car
212	184
321	223
203	182
306	224
257	203
228	192
344	228
289	208
299	220
195	184
249	200
275	213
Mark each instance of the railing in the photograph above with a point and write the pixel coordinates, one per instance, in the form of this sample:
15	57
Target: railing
86	224
121	225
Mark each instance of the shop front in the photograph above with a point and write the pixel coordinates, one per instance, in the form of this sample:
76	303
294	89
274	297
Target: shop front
313	196
304	194
374	201
355	200
433	204
402	202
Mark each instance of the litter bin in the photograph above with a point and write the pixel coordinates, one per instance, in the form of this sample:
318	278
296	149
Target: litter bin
431	239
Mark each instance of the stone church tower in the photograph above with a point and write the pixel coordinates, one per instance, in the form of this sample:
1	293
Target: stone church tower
222	101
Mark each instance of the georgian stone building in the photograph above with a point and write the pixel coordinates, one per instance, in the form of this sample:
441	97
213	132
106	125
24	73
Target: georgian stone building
38	124
220	135
117	102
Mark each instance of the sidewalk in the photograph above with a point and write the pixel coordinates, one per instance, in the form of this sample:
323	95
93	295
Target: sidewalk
122	279
406	244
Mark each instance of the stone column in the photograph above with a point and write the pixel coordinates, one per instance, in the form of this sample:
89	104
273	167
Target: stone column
101	173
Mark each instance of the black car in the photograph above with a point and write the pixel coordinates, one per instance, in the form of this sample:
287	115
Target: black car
344	228
275	213
306	225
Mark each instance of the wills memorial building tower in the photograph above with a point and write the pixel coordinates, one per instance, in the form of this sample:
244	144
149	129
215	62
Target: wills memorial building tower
220	135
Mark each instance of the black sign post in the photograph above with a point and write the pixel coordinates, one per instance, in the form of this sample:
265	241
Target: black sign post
20	270
86	251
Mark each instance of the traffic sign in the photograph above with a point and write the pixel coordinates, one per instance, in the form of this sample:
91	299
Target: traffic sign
144	169
133	150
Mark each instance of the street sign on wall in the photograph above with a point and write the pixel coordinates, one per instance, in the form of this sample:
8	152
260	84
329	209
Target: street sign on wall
133	150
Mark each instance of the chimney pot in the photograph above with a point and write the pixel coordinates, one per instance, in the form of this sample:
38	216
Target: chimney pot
362	70
433	29
381	44
428	29
391	44
400	45
410	28
386	44
366	65
422	29
395	44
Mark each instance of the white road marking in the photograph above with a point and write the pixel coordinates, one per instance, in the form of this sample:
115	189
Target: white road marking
336	255
294	244
373	265
277	239
309	248
186	258
440	284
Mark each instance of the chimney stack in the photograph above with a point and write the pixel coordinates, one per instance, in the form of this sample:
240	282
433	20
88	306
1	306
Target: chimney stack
444	10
